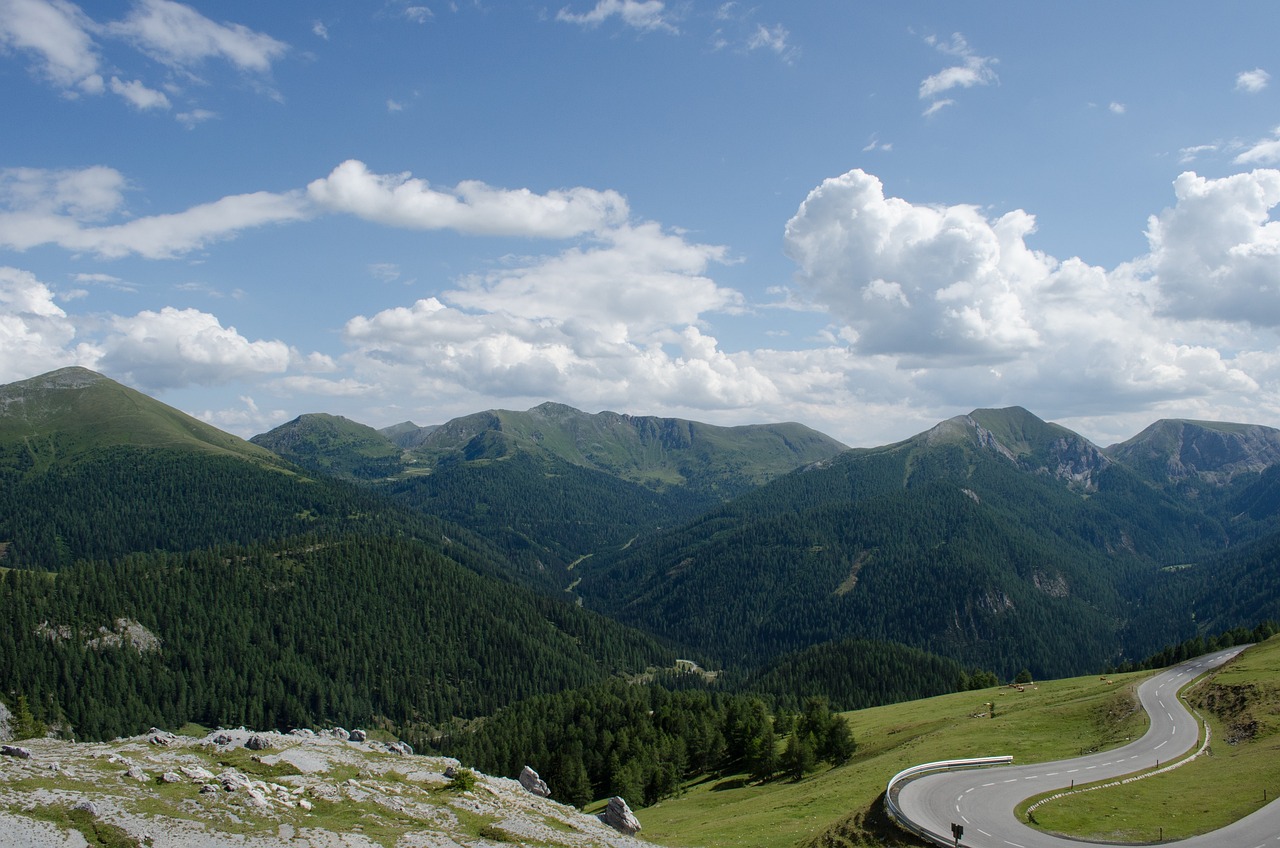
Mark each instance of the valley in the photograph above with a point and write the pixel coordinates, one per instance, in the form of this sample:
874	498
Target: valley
482	587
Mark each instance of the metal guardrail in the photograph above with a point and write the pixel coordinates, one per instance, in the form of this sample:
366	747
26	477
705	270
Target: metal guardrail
891	793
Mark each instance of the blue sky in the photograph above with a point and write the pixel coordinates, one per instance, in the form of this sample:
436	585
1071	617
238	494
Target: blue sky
863	216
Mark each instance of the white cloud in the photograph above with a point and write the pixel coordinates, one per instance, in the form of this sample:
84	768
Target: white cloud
937	106
1263	152
180	36
59	34
36	335
951	308
600	325
394	106
1252	81
775	38
472	207
1216	254
86	194
418	14
319	30
1117	108
246	419
953	275
180	347
138	95
194	117
640	14
59	207
973	69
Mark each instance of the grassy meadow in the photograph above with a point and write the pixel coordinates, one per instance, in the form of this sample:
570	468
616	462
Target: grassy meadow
842	806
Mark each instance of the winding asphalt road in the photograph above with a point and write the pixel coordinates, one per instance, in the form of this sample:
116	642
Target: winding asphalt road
983	800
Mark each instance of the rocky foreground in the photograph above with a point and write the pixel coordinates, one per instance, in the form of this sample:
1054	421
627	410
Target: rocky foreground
271	790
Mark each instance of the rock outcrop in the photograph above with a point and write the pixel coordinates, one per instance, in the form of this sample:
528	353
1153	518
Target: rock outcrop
266	799
619	816
529	780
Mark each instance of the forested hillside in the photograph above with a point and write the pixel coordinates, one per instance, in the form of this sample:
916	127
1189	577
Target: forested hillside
994	539
356	630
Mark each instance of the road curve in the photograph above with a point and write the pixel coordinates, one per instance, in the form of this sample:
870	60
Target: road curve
983	800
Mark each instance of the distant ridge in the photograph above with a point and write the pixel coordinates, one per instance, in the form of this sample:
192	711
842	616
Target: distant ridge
1214	451
68	412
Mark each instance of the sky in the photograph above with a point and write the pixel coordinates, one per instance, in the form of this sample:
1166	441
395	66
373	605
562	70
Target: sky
866	217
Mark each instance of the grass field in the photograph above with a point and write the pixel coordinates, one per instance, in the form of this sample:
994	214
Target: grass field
841	806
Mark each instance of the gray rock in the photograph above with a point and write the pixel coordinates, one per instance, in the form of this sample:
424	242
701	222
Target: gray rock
88	807
402	748
340	733
358	735
222	739
619	816
15	751
529	780
257	743
208	788
451	771
6	723
136	773
171	777
161	737
197	774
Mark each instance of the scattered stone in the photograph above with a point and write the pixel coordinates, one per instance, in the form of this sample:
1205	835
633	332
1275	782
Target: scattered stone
302	732
529	780
208	788
257	743
163	738
402	748
136	773
451	771
222	739
232	780
87	807
15	751
340	733
358	735
304	804
171	777
619	817
197	774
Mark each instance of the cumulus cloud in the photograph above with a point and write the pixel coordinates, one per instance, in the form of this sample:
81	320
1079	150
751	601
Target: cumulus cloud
915	279
1252	81
972	70
954	308
601	324
473	207
36	335
640	14
1216	254
172	348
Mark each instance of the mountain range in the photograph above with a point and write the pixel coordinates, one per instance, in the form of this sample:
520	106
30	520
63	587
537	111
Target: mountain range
995	540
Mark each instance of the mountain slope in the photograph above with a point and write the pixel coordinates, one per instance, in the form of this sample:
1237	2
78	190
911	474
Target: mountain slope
659	453
65	414
994	538
335	446
1174	450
